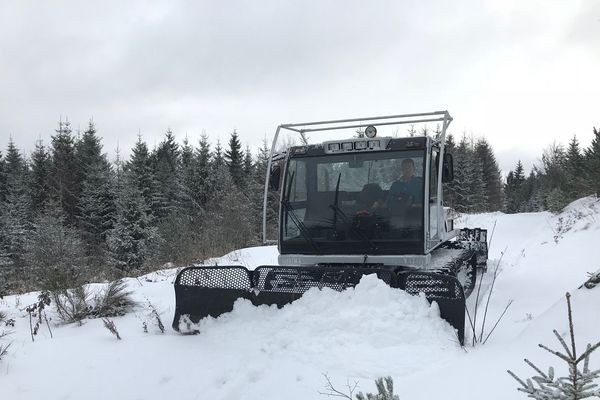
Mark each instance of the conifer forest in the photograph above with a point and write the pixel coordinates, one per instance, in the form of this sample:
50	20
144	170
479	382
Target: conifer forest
71	214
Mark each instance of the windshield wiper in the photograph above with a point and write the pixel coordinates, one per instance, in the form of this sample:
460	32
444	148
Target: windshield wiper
337	210
299	224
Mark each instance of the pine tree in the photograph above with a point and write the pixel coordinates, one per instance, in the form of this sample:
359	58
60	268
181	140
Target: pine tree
15	215
132	234
96	211
166	160
468	185
233	159
88	152
2	178
231	224
203	170
575	171
592	163
248	166
14	164
217	157
513	189
187	172
532	193
96	205
38	179
491	175
63	171
554	177
53	245
140	172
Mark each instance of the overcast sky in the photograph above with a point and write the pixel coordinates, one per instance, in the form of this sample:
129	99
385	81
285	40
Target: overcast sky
521	73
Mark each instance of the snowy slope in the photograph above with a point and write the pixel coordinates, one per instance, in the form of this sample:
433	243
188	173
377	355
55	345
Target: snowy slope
361	334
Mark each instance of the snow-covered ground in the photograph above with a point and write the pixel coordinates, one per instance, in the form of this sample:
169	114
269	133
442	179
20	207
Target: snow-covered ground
357	335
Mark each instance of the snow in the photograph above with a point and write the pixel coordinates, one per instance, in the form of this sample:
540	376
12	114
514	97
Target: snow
356	335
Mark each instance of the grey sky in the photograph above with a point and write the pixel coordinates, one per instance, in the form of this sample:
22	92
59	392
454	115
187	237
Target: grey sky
521	73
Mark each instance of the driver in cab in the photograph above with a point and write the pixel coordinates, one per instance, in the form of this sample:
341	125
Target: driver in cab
408	187
406	190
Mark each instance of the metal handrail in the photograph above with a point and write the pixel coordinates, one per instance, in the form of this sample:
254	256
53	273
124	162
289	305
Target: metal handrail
400	119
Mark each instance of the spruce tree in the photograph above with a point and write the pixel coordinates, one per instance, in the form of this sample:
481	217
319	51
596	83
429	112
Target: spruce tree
554	177
217	157
248	166
53	245
14	163
188	174
38	179
140	172
234	160
514	189
63	171
468	185
96	211
575	186
491	175
96	205
2	179
131	237
15	215
231	224
166	160
592	163
203	170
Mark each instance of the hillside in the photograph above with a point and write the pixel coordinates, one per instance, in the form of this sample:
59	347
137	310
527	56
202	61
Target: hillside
356	335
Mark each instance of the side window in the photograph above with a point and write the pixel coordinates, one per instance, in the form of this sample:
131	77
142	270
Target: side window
433	176
433	187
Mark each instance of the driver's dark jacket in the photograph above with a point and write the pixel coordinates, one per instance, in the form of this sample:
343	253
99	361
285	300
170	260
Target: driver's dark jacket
413	187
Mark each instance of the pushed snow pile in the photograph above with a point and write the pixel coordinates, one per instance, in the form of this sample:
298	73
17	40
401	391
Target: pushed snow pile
372	315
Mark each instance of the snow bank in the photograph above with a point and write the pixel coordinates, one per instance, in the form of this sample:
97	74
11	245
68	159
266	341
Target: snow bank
360	334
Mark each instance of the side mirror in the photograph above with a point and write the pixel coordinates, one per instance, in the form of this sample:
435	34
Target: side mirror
274	177
448	168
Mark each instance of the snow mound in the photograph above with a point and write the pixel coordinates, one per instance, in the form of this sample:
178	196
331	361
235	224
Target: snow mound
372	314
580	215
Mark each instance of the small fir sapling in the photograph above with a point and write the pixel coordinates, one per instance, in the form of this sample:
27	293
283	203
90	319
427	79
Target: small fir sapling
580	382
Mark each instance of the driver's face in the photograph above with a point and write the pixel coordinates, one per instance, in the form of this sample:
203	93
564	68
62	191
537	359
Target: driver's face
408	169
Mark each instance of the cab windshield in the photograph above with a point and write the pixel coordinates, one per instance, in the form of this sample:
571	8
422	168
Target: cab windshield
369	200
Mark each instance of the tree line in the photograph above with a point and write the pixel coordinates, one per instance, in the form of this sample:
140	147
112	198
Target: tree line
563	175
67	211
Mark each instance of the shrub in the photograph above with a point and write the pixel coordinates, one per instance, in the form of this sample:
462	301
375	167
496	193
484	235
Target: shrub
74	305
115	300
